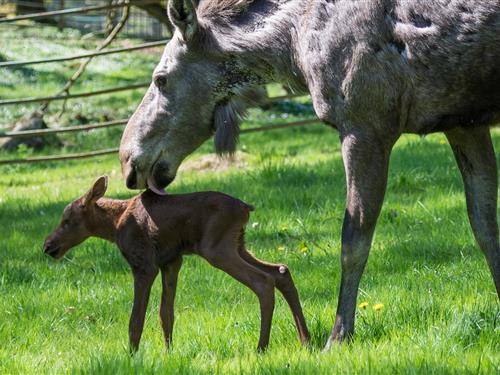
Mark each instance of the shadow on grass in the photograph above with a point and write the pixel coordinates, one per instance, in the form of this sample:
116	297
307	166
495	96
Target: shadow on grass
279	190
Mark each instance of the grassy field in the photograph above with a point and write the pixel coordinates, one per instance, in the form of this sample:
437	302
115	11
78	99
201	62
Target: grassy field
440	311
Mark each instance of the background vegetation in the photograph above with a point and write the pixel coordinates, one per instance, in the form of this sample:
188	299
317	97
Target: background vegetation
440	311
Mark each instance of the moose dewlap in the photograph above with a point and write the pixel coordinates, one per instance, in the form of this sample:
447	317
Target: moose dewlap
154	232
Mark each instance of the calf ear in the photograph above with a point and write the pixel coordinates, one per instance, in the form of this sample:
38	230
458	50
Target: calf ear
227	126
97	191
182	14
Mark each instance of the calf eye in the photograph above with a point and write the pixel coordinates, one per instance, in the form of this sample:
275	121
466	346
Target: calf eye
65	222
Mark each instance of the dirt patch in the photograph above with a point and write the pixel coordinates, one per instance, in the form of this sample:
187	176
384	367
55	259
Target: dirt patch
214	162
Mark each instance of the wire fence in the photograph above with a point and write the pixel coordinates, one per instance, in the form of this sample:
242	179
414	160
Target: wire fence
107	124
62	12
91	154
92	16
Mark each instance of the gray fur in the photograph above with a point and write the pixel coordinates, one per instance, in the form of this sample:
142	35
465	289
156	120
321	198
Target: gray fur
227	130
375	69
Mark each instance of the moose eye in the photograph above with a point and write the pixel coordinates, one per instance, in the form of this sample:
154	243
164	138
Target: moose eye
160	81
65	222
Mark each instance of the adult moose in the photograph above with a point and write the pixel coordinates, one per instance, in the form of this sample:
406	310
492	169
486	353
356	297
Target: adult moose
375	69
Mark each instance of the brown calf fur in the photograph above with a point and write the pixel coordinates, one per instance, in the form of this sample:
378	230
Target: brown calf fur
153	233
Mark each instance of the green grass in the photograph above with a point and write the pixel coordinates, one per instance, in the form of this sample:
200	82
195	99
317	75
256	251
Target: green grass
440	314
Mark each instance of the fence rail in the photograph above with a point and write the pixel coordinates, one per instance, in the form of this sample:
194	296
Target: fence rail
101	92
71	129
9	64
83	155
107	124
40	159
73	96
64	12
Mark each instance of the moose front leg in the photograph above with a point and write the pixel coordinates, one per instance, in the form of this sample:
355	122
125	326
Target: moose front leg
366	160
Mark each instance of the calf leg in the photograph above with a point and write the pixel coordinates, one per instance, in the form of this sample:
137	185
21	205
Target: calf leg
142	289
169	275
226	258
366	161
284	282
475	156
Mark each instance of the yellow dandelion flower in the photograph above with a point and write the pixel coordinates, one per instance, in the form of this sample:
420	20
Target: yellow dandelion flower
378	306
281	248
363	305
303	248
442	142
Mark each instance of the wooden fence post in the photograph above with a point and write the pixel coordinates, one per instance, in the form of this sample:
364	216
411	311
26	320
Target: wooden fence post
60	23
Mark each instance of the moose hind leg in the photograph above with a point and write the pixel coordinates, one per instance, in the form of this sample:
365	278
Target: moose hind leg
476	160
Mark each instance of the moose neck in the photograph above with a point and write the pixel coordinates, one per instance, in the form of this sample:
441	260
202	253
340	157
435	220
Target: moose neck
263	39
107	214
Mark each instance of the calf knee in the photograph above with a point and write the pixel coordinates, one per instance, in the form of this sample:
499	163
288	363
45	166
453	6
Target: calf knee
283	277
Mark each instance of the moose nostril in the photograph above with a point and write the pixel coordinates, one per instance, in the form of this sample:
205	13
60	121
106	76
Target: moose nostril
160	174
132	179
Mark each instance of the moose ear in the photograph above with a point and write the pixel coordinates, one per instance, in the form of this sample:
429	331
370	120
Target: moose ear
182	14
97	191
227	126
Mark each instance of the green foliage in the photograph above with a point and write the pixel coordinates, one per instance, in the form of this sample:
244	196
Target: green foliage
440	311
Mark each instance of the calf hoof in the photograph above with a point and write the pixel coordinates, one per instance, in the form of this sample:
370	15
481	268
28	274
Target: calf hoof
261	348
132	349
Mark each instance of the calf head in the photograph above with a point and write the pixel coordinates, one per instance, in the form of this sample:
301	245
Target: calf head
76	223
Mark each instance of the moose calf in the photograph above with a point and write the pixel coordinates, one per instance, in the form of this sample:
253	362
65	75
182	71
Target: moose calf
153	233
